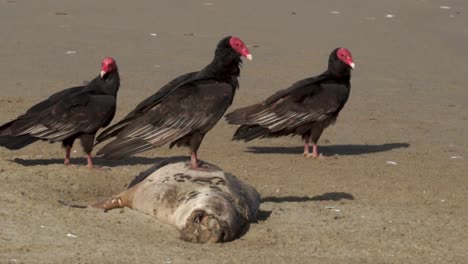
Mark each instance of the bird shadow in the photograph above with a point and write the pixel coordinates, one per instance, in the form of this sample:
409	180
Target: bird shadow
263	215
331	196
346	150
83	161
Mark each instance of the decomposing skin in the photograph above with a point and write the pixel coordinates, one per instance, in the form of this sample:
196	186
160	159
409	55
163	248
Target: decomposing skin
205	206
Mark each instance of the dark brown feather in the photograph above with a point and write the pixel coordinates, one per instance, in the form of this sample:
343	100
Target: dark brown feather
307	107
181	112
65	115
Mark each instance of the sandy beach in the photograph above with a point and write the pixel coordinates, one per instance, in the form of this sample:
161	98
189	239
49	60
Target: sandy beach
397	192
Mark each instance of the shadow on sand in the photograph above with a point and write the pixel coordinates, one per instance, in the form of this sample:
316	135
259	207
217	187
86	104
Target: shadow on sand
346	150
263	215
97	161
331	196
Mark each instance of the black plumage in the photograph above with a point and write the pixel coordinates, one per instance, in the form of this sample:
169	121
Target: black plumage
182	111
76	112
306	108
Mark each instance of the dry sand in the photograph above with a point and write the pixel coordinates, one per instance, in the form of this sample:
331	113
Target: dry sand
408	105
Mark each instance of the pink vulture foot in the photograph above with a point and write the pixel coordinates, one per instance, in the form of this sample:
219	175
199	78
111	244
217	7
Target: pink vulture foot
319	156
68	163
316	155
199	166
91	166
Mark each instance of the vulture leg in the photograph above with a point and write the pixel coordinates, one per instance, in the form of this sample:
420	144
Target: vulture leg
194	160
316	132
195	141
90	161
67	154
306	138
87	141
316	155
68	144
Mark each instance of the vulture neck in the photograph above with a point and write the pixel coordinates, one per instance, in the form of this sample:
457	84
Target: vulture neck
224	68
338	70
109	85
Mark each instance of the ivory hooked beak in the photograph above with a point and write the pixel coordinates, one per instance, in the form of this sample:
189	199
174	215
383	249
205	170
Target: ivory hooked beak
102	74
249	57
352	65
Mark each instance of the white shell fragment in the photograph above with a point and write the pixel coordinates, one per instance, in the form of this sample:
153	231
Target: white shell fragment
390	16
153	34
333	208
71	235
71	52
392	162
445	7
456	157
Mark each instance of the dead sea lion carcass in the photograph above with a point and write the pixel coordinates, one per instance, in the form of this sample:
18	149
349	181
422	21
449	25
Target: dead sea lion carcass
207	205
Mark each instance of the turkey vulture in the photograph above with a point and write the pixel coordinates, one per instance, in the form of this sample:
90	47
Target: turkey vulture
76	112
306	108
182	111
